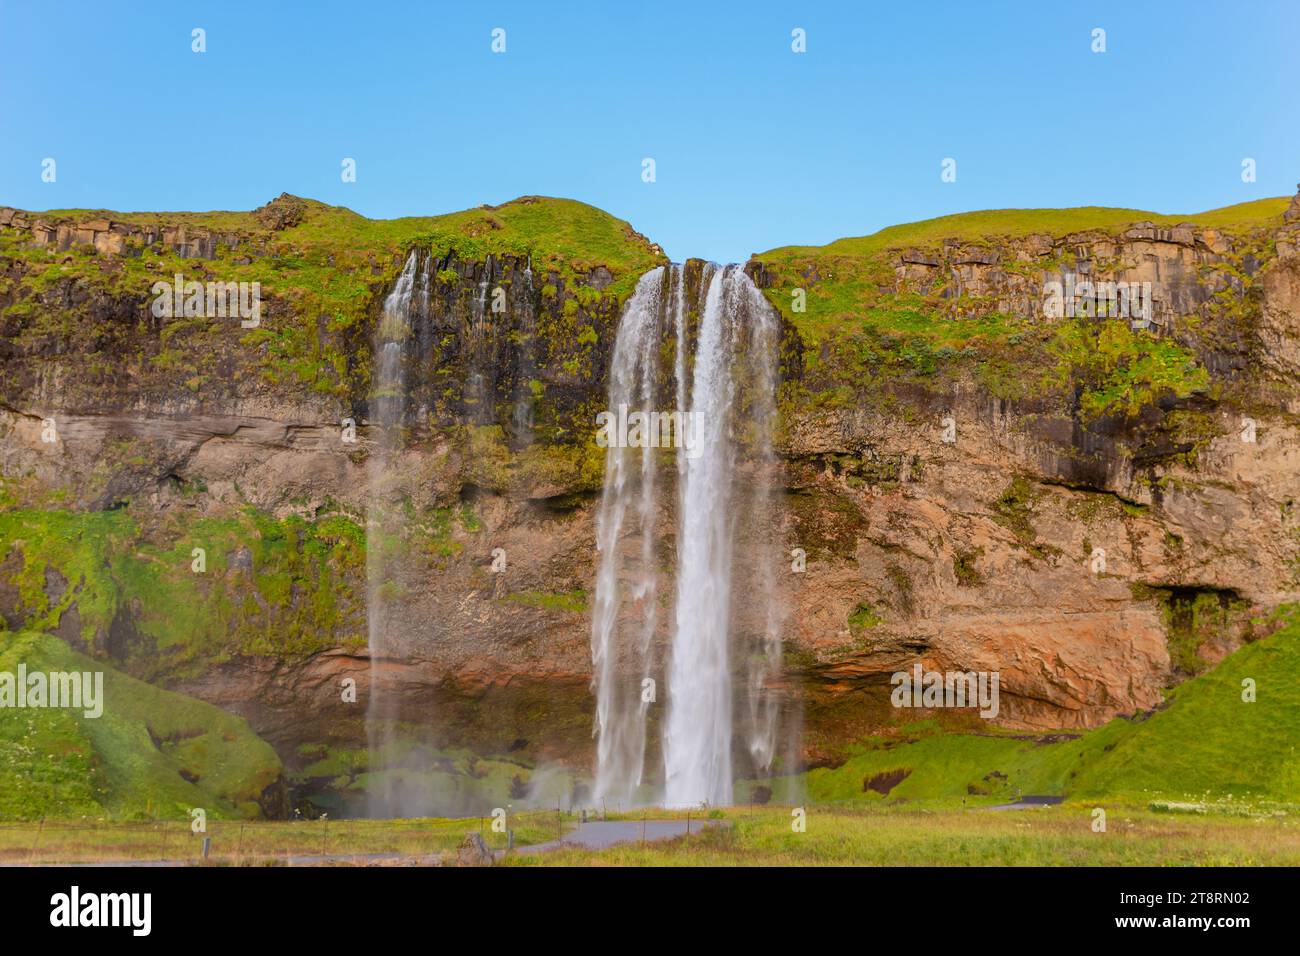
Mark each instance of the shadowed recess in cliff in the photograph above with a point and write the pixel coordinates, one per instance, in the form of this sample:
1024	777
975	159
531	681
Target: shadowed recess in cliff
723	656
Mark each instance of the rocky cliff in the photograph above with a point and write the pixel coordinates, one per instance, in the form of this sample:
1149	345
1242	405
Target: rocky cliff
1092	509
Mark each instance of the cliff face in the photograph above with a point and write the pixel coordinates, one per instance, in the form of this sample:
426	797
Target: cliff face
1100	523
954	462
170	434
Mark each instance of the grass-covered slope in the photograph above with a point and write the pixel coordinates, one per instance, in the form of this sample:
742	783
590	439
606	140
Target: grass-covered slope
151	753
1207	743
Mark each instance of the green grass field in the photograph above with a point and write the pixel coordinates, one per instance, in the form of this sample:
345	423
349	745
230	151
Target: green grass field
248	843
764	836
885	836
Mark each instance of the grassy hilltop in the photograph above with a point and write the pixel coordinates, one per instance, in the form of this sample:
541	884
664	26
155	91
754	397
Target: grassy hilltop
863	331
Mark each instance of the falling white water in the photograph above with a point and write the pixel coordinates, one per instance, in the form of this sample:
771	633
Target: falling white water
764	661
526	367
388	403
478	386
619	664
697	735
736	346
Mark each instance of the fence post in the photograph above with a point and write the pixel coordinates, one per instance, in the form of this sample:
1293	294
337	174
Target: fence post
39	830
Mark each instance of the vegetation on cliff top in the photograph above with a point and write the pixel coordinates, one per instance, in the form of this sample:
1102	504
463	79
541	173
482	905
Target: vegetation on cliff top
843	280
988	224
869	332
323	270
563	235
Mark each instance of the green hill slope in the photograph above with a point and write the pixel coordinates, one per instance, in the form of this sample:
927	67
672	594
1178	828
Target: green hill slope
152	753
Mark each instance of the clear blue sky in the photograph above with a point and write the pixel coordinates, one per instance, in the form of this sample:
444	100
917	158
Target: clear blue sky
755	146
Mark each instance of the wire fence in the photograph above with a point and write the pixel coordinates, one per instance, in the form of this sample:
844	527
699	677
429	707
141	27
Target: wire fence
309	842
236	843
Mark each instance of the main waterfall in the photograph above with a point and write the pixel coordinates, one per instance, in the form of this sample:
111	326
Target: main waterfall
620	648
722	382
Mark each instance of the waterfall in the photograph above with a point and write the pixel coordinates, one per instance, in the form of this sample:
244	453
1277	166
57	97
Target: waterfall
629	485
723	489
686	623
764	661
478	395
388	411
697	735
526	370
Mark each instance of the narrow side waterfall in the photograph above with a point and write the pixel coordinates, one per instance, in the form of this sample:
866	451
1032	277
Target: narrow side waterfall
721	654
526	368
388	402
478	392
763	662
